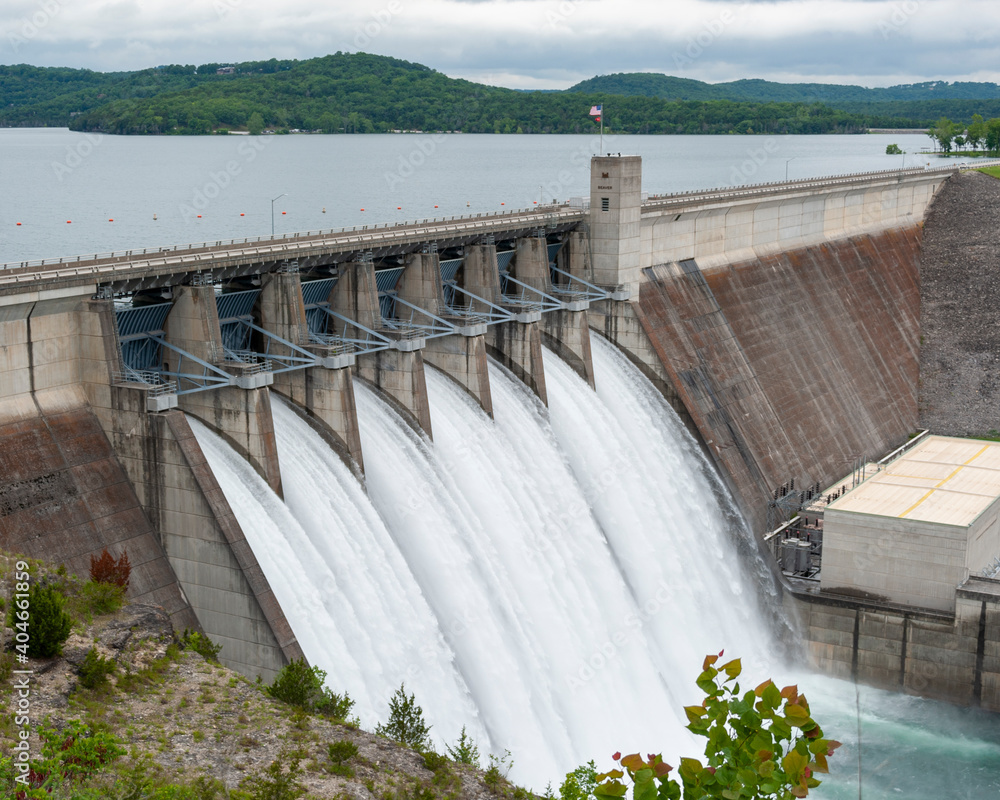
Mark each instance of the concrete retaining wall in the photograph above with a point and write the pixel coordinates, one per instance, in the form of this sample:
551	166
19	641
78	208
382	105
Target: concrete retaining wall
792	365
84	467
955	658
732	230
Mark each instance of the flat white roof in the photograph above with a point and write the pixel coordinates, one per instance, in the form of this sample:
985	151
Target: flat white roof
942	479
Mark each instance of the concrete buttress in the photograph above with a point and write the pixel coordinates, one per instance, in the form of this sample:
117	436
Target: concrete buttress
241	416
327	394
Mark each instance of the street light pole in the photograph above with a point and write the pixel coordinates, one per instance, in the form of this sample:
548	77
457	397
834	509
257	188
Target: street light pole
283	194
786	166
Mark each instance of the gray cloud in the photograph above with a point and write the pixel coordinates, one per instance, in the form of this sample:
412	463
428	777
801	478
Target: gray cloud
530	43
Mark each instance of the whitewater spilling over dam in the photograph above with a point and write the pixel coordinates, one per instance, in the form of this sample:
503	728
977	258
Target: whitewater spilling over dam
528	464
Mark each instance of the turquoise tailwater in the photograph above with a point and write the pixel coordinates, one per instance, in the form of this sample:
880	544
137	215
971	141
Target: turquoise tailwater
553	580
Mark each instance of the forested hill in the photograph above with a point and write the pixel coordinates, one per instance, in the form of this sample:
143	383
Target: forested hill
649	84
920	102
360	93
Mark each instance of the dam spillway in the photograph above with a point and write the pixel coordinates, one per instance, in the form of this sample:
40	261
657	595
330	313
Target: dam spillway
502	599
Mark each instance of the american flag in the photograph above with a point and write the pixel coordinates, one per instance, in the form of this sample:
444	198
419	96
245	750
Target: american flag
595	111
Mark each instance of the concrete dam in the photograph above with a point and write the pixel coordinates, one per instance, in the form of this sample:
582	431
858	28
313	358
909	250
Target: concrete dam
781	322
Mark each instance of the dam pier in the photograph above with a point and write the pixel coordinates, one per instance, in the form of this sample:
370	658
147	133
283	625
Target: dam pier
782	322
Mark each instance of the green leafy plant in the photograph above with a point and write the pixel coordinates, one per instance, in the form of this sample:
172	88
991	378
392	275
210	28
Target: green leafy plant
42	620
107	569
761	744
302	686
276	783
340	754
201	644
406	721
465	750
76	752
580	783
497	771
94	670
101	598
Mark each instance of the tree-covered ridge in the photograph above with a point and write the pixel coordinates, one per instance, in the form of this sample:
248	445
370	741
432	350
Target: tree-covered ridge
48	96
755	90
361	93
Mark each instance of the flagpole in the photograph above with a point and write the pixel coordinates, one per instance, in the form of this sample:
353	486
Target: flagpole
602	129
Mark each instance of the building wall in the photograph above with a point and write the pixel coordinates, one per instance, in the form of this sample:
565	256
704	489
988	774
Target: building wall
984	539
906	561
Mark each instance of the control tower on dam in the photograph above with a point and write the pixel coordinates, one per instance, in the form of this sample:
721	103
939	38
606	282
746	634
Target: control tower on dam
781	321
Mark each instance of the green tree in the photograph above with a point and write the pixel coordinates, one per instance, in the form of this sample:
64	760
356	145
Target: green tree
255	124
762	743
465	750
45	621
944	133
893	150
329	122
302	686
993	135
975	135
406	721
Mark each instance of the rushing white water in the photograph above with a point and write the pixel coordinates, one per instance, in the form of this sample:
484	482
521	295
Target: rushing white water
339	577
551	579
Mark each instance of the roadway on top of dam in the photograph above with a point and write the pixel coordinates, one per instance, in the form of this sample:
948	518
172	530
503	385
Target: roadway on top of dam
150	267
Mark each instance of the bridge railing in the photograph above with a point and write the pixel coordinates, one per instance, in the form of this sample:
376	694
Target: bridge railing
361	233
750	189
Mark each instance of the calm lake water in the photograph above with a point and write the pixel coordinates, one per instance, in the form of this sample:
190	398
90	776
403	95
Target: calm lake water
912	748
54	175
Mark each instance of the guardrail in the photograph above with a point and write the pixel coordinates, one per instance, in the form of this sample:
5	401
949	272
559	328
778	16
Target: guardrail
361	234
771	187
296	245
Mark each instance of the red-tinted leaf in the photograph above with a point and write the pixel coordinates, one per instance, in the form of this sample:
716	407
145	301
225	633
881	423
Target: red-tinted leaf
760	689
709	660
790	693
617	755
662	769
633	761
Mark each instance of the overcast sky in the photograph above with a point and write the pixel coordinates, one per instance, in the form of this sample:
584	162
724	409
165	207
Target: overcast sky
548	44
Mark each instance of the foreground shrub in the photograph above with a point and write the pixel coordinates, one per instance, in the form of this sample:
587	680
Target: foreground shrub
105	569
94	670
101	598
41	618
465	750
274	783
762	743
201	644
302	686
340	753
406	721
